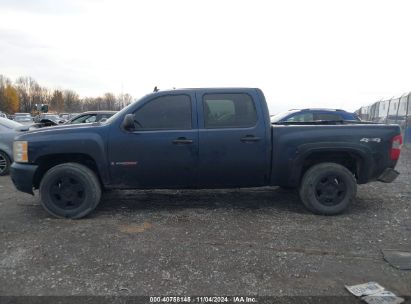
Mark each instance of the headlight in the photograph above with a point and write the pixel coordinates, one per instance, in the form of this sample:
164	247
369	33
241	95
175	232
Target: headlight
20	154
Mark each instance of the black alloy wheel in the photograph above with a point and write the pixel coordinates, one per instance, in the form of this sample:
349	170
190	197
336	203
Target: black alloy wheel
330	190
70	190
67	192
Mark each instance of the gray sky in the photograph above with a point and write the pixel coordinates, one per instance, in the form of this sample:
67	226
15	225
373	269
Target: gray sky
339	54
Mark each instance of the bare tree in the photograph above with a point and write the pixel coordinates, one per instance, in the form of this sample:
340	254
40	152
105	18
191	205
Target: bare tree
31	93
123	100
109	101
71	101
57	101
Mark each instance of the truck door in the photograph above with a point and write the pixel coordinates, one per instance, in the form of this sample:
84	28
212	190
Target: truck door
162	150
233	140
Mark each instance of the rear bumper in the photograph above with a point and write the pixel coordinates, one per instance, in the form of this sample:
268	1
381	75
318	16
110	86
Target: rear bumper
388	176
22	176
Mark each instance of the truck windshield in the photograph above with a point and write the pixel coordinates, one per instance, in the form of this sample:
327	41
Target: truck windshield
121	112
114	117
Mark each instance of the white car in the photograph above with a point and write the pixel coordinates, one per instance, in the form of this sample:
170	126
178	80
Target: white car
24	118
8	130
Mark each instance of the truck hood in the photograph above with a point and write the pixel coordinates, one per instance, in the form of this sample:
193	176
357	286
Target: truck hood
60	129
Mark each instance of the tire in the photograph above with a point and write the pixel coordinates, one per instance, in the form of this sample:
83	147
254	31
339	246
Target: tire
70	190
4	163
328	189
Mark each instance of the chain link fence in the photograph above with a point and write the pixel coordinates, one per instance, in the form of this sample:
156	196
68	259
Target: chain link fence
392	111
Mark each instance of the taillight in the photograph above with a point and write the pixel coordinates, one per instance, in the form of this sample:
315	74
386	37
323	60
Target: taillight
396	147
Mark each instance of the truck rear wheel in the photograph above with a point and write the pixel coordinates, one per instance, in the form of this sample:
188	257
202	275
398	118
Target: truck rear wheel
70	190
328	188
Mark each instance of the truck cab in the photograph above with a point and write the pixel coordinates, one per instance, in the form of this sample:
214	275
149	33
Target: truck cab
192	139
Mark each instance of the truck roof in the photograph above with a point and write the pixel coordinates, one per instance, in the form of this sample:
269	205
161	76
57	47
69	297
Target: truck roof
234	89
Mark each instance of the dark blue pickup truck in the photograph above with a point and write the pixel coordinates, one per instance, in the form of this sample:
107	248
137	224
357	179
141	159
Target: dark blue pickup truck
202	138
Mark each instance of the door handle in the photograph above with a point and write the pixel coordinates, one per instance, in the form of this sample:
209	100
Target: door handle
250	139
182	141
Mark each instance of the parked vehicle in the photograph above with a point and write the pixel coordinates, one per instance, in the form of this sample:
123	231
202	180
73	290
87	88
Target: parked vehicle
44	123
91	116
8	130
72	115
3	115
50	117
23	118
309	115
64	116
202	138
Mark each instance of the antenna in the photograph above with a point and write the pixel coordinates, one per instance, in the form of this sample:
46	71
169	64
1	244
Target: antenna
155	89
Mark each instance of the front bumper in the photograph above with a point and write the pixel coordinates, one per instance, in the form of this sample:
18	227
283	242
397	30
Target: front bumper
22	176
388	176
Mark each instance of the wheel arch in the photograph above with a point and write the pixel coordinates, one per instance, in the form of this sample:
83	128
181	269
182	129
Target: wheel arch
46	162
356	159
352	161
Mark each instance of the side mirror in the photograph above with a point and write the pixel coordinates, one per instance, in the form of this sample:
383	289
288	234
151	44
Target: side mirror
128	122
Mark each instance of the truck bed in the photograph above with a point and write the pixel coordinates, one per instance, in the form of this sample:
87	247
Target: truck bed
294	144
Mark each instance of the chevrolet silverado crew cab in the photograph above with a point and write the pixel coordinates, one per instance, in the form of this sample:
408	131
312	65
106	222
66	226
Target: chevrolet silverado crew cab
202	138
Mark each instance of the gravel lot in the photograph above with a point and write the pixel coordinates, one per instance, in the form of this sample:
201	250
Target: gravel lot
214	242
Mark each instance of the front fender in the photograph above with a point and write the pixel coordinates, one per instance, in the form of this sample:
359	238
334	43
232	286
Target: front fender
89	141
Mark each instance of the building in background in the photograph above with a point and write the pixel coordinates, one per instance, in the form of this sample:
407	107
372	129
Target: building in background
391	111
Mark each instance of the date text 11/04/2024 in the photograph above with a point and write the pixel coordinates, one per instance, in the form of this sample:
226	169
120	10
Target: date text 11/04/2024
205	299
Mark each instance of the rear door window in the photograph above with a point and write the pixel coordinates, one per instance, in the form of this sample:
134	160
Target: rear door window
229	111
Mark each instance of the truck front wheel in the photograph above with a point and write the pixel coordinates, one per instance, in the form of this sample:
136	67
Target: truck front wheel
70	190
328	188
